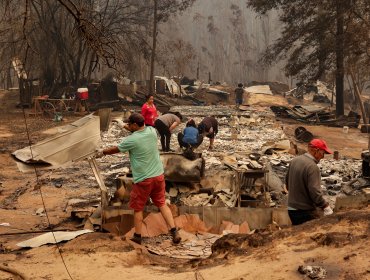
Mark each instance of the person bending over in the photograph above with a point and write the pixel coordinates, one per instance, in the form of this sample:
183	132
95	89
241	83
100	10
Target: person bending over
165	124
209	127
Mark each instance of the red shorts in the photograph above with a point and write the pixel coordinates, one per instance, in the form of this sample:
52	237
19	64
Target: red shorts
152	187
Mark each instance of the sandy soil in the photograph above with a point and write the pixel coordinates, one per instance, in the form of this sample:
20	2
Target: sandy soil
340	243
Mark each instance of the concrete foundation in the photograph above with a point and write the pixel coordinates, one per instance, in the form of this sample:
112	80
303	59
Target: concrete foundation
119	220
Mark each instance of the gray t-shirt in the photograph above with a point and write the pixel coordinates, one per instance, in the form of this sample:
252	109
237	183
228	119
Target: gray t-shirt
169	119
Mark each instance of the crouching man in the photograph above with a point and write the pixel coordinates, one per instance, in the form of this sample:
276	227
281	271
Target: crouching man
303	182
190	138
147	171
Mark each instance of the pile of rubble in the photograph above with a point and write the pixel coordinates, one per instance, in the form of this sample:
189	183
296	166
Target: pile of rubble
317	115
246	169
248	142
316	92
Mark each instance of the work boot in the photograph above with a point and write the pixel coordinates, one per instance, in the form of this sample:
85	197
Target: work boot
136	238
175	236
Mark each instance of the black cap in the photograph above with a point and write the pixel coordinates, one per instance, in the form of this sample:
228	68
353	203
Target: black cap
135	118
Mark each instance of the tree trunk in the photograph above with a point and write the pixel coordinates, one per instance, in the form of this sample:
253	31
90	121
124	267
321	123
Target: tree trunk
339	77
151	83
358	97
9	83
92	64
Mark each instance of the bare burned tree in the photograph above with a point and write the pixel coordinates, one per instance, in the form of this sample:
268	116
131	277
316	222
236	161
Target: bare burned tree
175	57
110	28
63	41
166	7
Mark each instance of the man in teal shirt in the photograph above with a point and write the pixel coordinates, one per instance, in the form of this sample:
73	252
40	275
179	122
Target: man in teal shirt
147	170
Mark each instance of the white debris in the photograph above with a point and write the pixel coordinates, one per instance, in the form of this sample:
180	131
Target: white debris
262	89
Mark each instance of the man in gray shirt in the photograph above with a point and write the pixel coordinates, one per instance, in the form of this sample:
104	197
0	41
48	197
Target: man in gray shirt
303	181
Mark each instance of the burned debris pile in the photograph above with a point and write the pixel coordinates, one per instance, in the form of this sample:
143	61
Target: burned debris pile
316	115
245	170
317	92
247	166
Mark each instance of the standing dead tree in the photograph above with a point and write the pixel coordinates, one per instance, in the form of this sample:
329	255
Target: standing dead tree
175	57
63	41
318	37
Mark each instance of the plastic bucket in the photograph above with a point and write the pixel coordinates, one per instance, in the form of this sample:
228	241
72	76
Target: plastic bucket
83	93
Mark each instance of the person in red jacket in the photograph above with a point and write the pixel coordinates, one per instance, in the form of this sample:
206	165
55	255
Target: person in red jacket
149	111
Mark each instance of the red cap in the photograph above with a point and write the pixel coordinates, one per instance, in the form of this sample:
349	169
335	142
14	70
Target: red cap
320	144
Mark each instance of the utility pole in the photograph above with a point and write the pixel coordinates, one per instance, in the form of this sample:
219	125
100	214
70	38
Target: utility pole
152	59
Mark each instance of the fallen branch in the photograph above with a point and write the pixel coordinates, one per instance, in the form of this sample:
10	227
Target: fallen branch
198	276
13	271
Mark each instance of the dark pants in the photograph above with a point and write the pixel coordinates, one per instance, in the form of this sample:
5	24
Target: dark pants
183	144
164	133
239	100
301	216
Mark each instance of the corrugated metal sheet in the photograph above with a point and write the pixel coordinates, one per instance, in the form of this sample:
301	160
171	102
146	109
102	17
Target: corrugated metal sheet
172	86
73	142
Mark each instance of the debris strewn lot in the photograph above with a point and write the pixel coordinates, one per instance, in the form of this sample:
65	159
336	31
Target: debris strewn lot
337	244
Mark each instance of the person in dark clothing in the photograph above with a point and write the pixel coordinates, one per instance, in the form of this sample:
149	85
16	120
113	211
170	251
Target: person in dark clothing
303	182
165	124
209	127
190	138
239	91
